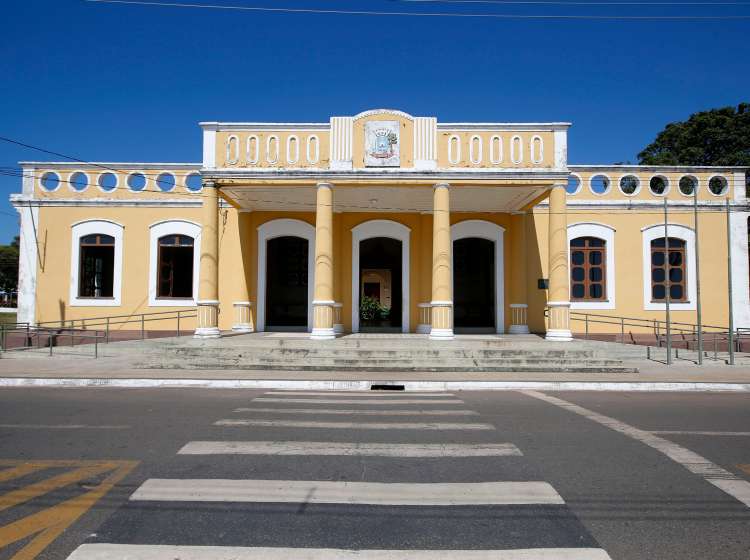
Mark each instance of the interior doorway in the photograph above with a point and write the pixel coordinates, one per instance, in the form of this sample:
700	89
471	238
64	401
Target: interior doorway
474	285
380	285
287	278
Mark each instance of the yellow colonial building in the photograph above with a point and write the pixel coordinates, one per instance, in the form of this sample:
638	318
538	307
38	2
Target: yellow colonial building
382	222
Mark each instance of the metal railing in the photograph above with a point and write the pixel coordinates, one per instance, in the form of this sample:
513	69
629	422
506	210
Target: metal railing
712	337
82	330
33	336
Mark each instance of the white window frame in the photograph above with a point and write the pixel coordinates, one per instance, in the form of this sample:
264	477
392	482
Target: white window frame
483	229
90	227
606	233
284	227
678	231
157	231
392	230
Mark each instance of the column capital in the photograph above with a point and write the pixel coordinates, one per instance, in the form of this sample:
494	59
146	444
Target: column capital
324	185
208	183
441	185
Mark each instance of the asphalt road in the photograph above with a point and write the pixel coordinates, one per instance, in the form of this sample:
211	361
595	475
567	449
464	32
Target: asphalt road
585	473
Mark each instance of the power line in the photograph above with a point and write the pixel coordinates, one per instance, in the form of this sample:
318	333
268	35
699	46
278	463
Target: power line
421	14
573	3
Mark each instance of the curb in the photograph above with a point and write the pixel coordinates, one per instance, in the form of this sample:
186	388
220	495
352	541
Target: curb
364	385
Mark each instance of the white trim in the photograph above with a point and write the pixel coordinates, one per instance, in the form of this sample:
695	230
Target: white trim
495	233
580	184
454	160
607	233
185	182
70	181
133	174
284	227
373	112
28	262
392	230
680	232
277	149
89	227
308	144
666	181
159	178
289	139
172	227
739	187
256	157
472	159
637	190
41	181
697	184
493	139
609	184
209	148
232	160
532	151
516	156
560	137
727	185
99	181
740	273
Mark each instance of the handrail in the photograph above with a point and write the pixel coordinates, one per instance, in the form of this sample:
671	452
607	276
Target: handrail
36	332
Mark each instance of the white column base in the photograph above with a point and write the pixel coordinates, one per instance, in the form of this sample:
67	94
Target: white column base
242	329
519	329
424	328
207	332
559	335
338	328
441	334
323	334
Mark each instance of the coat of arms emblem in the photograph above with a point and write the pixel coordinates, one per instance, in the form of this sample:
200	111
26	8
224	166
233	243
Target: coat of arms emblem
381	144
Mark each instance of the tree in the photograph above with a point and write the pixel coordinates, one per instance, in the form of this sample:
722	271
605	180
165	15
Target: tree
715	137
9	266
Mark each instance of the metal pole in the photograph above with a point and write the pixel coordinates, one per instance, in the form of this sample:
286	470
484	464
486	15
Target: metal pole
666	282
96	344
730	340
622	330
699	318
50	344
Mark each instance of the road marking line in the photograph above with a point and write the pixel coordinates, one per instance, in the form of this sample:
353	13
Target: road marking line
43	527
377	394
698	433
350	449
344	492
162	552
384	412
64	426
356	425
359	401
19	471
696	464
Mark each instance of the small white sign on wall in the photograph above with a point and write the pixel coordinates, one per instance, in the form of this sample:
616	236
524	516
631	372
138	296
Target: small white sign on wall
382	144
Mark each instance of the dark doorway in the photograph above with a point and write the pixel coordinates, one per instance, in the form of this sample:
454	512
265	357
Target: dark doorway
286	283
380	281
474	285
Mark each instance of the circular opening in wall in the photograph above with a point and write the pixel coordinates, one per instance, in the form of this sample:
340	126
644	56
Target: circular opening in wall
574	183
193	182
136	181
658	185
629	184
108	181
79	181
599	184
688	184
718	185
50	181
165	181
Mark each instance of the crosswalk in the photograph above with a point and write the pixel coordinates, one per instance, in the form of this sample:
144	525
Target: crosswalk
325	475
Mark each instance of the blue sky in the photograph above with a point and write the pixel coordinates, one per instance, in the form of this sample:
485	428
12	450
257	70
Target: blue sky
106	82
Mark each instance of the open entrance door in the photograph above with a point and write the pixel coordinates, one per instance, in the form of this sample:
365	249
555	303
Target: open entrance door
474	285
380	294
286	284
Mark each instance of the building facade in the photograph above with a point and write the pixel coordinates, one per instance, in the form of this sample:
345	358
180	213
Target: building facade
382	222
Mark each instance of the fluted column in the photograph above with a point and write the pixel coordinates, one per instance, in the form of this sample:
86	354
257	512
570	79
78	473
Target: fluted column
519	304
208	287
323	310
559	291
442	265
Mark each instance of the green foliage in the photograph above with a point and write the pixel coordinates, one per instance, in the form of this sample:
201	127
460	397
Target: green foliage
369	309
9	266
715	137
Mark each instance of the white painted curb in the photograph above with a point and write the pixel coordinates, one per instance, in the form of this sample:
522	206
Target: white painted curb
364	385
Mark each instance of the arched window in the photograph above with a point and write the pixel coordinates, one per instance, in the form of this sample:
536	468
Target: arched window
175	267
588	258
97	266
674	266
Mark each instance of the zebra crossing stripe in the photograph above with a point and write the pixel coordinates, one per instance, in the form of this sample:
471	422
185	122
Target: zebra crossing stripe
345	492
383	412
167	552
355	425
360	400
350	449
364	394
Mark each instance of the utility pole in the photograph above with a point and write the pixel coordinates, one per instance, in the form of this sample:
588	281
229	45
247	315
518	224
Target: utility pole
697	276
667	283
